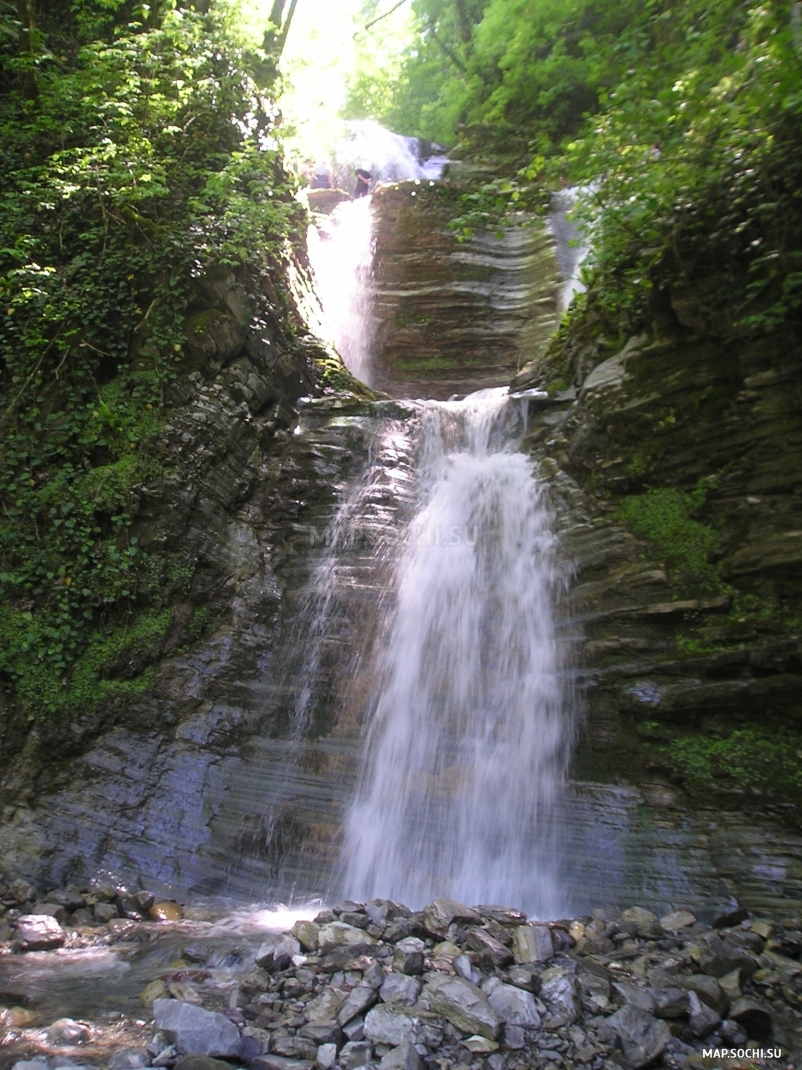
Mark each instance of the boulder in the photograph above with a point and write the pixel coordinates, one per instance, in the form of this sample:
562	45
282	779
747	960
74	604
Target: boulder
753	1017
641	923
306	933
632	994
326	1056
703	1019
558	992
463	1004
68	1031
532	943
707	989
408	956
489	948
514	1005
293	1047
276	952
641	1037
358	1000
356	1053
676	920
390	1025
439	914
402	1057
197	1062
39	932
195	1030
400	988
339	934
324	1008
669	1002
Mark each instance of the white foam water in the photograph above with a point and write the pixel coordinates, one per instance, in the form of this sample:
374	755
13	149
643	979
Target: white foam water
468	738
341	257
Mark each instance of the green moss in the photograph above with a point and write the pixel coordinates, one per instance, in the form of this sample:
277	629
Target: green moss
663	517
754	758
114	666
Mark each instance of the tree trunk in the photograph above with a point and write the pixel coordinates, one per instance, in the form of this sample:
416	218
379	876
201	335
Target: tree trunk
26	15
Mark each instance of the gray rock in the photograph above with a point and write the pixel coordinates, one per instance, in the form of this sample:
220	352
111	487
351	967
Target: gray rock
388	1024
355	1029
293	1047
306	933
463	1004
39	932
22	891
104	912
324	1008
754	1017
276	952
703	1019
408	956
637	997
676	920
489	948
356	1053
322	1033
403	1057
718	958
165	1057
192	1029
374	975
707	989
400	988
326	1056
641	1037
339	934
532	943
439	914
464	967
30	1064
669	1002
359	999
641	923
515	1006
53	910
558	990
68	1031
514	1038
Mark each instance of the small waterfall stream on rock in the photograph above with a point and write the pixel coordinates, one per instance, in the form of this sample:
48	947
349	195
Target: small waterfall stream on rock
468	739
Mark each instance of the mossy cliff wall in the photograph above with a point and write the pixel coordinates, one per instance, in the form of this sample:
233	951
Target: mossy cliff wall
677	458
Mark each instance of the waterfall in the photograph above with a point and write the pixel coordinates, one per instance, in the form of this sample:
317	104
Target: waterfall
468	738
341	257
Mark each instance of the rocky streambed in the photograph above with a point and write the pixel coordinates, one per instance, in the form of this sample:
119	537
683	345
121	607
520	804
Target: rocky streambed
378	985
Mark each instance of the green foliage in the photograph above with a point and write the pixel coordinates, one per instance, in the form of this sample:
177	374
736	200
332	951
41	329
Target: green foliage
755	758
680	119
142	154
663	516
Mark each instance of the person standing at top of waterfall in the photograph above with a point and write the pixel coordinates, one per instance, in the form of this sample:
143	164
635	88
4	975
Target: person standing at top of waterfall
363	179
321	177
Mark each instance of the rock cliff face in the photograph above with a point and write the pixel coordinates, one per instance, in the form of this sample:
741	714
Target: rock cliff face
452	317
686	534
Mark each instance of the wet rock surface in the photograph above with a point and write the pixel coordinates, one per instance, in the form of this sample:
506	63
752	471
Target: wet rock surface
616	990
454	316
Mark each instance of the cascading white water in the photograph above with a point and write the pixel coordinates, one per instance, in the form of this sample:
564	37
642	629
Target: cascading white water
466	749
340	252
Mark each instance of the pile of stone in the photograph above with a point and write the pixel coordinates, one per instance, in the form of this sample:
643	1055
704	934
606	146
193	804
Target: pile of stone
376	985
44	923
